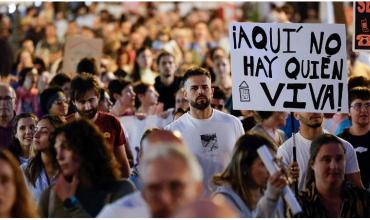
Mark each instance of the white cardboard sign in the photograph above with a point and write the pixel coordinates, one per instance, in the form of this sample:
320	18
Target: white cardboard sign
289	67
77	48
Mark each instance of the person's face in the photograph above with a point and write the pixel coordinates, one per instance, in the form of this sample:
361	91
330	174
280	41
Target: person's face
279	118
31	80
59	106
221	67
7	102
218	104
145	59
66	89
105	105
68	162
312	120
151	96
258	173
87	105
25	131
7	189
28	45
167	66
26	58
329	165
360	110
198	92
42	133
180	101
168	185
128	96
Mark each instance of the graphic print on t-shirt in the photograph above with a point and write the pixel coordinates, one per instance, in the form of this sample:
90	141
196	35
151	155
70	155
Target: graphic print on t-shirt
209	142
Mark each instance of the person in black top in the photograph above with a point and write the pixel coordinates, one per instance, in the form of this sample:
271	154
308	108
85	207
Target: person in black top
167	83
359	133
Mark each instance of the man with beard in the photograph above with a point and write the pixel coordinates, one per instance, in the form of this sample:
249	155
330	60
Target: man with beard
167	83
85	93
210	134
310	127
359	133
7	113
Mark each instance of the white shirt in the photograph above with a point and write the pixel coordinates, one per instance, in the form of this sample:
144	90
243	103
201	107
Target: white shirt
130	206
134	129
303	155
41	184
211	140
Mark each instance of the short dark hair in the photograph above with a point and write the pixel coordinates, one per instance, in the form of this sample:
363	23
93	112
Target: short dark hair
358	92
87	65
116	86
195	71
264	114
47	98
140	89
59	80
218	93
164	54
83	83
355	81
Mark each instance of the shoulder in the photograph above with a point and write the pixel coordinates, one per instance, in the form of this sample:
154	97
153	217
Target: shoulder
182	121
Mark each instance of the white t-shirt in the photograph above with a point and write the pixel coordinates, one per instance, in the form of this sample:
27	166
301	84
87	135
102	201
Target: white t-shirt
130	206
211	140
134	129
303	155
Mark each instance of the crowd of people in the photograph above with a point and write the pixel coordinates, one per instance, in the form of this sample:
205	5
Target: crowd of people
149	130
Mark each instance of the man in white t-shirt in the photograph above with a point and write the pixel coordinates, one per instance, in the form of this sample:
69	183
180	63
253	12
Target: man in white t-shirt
210	134
310	128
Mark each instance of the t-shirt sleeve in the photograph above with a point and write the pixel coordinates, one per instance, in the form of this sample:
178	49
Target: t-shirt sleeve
351	159
120	138
239	128
283	153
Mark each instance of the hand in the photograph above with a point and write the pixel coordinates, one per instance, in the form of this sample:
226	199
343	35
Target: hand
275	185
65	189
294	170
278	180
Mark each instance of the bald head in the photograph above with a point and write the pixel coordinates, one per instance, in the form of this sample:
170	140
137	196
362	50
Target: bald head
206	208
156	137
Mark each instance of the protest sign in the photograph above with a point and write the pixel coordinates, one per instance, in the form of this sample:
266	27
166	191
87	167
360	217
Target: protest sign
361	21
289	67
77	48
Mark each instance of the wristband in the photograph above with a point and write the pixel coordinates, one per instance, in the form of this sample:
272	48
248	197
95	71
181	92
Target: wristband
70	202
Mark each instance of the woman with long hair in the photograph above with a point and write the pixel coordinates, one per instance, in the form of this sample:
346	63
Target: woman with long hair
327	194
142	71
244	181
89	174
40	170
54	102
23	128
15	199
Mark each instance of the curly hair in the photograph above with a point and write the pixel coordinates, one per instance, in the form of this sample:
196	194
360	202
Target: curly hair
24	205
84	139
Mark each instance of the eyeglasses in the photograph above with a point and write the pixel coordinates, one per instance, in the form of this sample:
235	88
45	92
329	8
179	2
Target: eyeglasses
358	106
6	98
